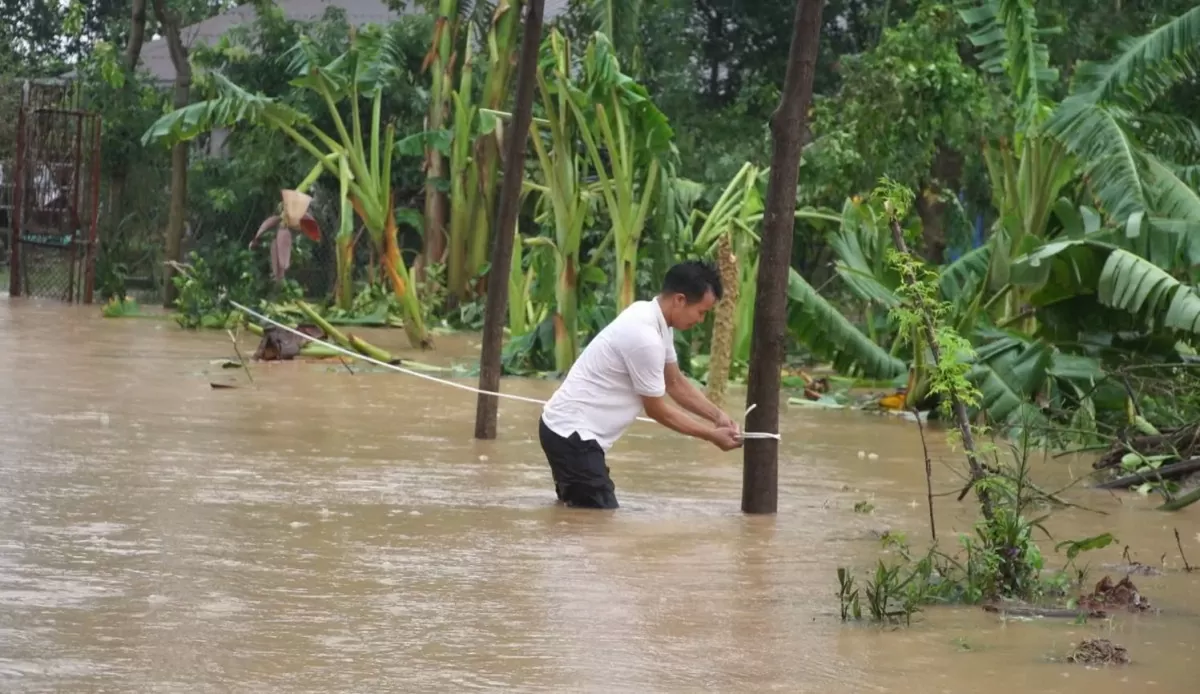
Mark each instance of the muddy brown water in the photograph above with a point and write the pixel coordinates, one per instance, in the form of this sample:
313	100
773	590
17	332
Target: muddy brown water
325	532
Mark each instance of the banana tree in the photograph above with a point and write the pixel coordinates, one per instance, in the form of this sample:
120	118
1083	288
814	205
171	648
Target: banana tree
1117	279
361	164
1091	135
564	197
526	310
475	151
1108	121
1019	377
614	112
502	43
1029	170
464	171
564	201
439	62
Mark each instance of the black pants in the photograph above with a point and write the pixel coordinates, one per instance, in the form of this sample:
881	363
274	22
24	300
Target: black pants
580	473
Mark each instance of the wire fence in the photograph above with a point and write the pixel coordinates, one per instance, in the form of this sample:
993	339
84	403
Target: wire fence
51	195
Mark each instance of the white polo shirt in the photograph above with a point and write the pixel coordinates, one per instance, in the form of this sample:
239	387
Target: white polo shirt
601	395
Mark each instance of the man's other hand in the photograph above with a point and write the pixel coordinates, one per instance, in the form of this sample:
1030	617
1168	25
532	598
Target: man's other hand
726	438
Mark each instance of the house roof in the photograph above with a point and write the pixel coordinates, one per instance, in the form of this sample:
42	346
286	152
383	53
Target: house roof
156	57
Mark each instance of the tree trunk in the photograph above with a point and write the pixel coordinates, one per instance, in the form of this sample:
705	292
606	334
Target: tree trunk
760	469
946	173
133	53
486	412
179	153
137	33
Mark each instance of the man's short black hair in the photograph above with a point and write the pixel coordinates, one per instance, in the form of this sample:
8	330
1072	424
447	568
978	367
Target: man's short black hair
693	278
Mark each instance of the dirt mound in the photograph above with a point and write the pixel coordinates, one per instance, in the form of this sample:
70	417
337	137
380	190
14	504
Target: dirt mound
1099	652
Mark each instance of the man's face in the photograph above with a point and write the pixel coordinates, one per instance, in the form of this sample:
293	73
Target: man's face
685	315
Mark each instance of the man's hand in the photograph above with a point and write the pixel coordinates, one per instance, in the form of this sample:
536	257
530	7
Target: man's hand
691	399
724	421
726	438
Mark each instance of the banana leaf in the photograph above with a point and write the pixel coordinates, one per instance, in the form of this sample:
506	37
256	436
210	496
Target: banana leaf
859	242
971	268
1118	278
831	336
1008	372
1134	284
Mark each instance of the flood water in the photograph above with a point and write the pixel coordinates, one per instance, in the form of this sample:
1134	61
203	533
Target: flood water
321	531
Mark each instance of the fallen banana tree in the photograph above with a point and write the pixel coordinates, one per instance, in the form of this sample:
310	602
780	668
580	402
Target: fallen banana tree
278	343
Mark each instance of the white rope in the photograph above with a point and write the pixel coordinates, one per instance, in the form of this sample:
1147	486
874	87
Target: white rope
453	384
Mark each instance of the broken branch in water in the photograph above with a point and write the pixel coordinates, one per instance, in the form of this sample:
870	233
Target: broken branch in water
1179	544
238	352
1182	502
364	347
1183	442
333	333
1166	472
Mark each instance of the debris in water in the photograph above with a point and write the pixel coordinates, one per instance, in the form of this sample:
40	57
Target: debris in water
1022	610
894	401
222	386
1134	568
277	344
1121	594
1099	652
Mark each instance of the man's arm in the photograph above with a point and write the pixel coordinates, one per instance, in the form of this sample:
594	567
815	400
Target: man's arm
652	384
662	411
689	396
670	416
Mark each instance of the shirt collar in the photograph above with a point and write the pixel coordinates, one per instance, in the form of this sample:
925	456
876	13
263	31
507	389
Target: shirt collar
663	328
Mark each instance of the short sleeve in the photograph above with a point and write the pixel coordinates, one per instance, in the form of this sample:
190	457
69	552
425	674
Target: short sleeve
644	362
669	344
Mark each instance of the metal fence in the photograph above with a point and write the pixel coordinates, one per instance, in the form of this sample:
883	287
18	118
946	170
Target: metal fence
53	197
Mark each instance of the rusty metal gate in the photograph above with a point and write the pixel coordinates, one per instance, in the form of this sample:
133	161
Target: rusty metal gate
55	201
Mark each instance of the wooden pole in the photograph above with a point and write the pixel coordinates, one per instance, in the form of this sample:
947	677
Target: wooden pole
496	313
760	468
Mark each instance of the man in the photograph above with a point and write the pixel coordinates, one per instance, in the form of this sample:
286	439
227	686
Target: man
629	366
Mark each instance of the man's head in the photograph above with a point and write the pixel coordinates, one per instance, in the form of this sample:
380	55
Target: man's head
689	290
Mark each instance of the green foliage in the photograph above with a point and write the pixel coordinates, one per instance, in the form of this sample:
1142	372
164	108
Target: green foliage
1000	559
902	101
203	287
920	303
1109	122
1009	39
